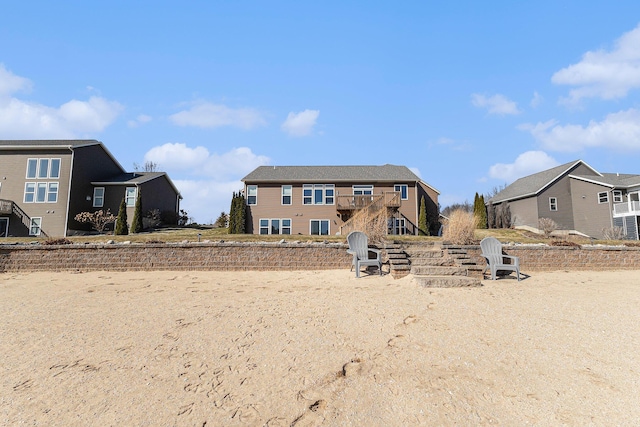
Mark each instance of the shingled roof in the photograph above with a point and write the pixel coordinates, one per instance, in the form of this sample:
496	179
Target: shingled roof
613	180
385	173
534	184
46	143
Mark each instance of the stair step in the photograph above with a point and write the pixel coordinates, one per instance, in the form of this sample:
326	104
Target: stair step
401	267
433	262
399	261
447	281
428	270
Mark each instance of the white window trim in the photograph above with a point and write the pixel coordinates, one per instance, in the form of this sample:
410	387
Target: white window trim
39	225
324	188
249	187
26	184
49	192
46	189
269	225
603	197
282	195
553	204
134	197
400	191
362	187
617	196
59	167
320	227
35	174
95	205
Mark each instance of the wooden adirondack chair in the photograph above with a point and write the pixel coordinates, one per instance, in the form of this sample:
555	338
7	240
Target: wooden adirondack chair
492	252
358	247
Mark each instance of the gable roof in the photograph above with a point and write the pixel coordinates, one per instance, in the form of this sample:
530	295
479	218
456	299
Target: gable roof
613	180
386	173
135	178
46	143
533	184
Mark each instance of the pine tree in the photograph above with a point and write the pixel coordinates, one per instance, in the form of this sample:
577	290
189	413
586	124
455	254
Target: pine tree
232	214
423	225
122	228
480	211
136	224
483	213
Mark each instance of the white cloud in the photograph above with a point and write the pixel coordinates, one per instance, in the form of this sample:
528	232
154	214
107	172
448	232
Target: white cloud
199	161
203	200
619	131
205	180
10	83
139	121
300	124
604	74
525	164
536	100
22	119
208	115
496	104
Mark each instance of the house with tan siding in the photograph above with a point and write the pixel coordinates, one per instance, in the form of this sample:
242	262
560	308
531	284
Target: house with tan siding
44	184
325	200
577	197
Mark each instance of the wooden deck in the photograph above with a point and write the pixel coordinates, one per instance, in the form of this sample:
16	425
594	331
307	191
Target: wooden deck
391	199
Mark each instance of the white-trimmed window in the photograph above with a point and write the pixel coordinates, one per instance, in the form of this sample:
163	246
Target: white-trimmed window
553	204
35	226
130	196
603	197
41	192
98	197
403	189
252	194
362	190
32	167
29	192
287	192
275	226
319	227
617	196
52	192
318	194
54	169
43	168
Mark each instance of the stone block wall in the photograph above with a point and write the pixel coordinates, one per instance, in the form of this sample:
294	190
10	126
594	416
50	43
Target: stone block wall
555	258
186	256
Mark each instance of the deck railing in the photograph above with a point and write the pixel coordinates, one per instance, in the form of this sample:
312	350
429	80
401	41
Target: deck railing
632	207
390	199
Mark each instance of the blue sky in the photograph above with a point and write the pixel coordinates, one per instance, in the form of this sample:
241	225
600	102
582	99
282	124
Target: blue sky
470	95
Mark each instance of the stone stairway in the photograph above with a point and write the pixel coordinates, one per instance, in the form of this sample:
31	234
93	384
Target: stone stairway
435	265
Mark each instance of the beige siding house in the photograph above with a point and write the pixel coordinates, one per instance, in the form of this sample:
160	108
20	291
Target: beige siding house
44	184
577	197
325	200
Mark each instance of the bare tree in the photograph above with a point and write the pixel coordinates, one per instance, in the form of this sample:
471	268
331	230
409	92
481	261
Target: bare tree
148	166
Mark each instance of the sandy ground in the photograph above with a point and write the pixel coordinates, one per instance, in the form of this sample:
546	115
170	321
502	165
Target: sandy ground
317	348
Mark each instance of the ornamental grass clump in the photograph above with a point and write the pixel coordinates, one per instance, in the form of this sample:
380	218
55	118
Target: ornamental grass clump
460	228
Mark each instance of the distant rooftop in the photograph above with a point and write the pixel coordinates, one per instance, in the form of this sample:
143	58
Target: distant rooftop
386	173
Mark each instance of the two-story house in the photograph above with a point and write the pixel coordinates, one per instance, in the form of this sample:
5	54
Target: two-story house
577	197
325	200
44	184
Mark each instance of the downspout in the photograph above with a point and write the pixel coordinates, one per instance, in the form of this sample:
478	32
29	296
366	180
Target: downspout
66	219
417	206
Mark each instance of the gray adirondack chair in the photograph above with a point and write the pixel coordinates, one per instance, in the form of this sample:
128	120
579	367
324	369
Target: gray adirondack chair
358	247
492	252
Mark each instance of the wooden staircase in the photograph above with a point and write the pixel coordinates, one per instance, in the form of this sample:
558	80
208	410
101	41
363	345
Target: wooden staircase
370	211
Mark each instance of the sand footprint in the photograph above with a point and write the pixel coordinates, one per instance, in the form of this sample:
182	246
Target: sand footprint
410	319
312	417
352	368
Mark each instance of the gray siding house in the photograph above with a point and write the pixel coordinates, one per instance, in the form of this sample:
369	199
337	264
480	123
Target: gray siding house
577	197
325	200
44	184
